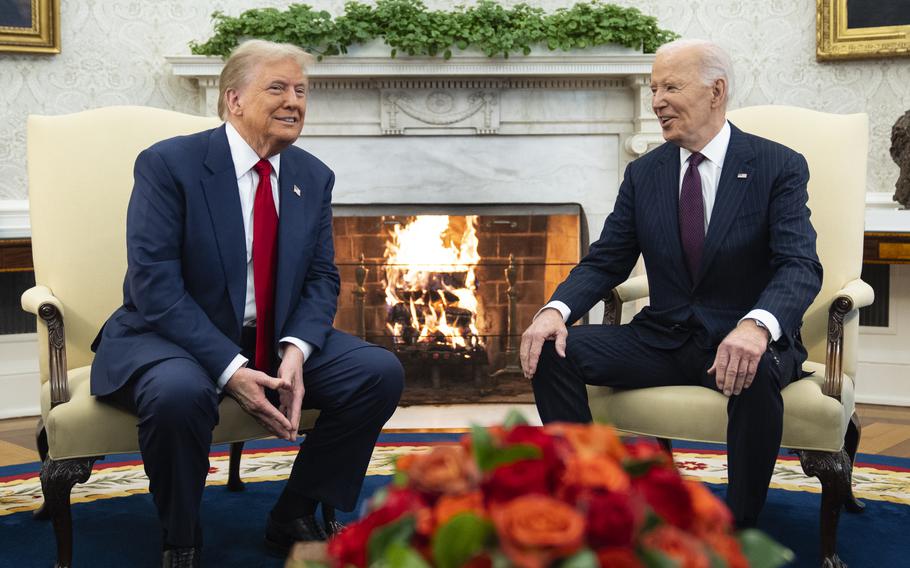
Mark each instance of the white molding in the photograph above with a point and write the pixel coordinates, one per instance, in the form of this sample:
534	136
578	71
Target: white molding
14	221
19	383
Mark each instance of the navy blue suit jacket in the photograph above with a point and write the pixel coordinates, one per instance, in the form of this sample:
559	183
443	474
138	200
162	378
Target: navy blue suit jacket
759	250
185	286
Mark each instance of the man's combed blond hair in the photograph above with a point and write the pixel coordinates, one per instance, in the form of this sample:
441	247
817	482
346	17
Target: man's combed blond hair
240	66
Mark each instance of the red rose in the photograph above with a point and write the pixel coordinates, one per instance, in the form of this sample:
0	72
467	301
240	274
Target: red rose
534	436
524	477
612	520
666	493
350	546
618	558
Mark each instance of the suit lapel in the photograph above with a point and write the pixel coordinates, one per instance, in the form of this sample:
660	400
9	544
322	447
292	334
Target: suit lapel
223	200
299	206
666	182
730	192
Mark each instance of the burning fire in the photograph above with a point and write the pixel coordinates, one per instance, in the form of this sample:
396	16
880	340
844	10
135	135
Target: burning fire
430	282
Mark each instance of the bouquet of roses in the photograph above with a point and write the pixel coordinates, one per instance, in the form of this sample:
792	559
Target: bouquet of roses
566	495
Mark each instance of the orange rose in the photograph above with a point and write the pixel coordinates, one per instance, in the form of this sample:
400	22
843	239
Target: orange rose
450	505
535	530
589	439
728	548
616	557
595	472
711	514
446	469
681	547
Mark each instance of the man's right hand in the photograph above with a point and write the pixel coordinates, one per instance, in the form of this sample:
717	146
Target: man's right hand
247	387
546	326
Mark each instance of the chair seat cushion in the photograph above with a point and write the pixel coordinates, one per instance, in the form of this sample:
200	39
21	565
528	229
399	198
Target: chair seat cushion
85	426
812	421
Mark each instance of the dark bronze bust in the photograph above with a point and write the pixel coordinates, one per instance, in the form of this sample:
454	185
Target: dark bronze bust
900	153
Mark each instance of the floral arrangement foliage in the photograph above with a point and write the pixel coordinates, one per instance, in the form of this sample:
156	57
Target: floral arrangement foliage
407	26
565	495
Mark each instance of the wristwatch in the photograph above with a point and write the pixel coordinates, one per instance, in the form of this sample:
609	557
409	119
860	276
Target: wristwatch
764	327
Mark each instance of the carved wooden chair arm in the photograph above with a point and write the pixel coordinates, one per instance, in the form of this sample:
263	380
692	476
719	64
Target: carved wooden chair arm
856	294
634	288
39	300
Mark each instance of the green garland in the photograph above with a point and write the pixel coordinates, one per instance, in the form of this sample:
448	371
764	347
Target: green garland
407	26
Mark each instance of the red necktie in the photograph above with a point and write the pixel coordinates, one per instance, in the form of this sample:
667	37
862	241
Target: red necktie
692	215
265	260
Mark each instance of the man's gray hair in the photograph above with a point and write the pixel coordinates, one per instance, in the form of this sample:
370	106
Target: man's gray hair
238	69
715	63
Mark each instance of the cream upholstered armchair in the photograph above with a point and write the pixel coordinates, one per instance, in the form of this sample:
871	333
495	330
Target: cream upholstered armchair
80	176
819	419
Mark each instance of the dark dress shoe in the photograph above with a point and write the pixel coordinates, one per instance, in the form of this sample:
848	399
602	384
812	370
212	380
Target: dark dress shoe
333	528
281	535
181	558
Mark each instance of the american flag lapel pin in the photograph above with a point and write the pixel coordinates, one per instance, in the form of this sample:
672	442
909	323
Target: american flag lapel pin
296	191
740	176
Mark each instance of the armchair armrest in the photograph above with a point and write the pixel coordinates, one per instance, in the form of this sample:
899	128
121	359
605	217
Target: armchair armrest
854	295
39	300
634	288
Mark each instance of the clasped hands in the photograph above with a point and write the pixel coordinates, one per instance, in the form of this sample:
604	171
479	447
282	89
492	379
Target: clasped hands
247	386
735	363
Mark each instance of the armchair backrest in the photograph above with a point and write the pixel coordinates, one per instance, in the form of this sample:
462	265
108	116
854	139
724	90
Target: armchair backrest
836	147
80	175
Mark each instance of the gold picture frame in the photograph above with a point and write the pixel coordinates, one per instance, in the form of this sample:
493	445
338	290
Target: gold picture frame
836	40
30	26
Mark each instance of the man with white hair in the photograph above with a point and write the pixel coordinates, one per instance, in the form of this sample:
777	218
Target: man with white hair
231	288
720	218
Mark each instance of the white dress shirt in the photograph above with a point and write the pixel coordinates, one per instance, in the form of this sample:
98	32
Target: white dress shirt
244	159
709	169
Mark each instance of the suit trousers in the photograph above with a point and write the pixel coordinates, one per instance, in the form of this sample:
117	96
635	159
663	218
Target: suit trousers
615	356
356	389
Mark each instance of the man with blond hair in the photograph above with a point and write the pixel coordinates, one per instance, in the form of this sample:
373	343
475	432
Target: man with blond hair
720	218
231	289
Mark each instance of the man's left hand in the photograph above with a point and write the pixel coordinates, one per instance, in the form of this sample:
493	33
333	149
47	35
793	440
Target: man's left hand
291	397
737	358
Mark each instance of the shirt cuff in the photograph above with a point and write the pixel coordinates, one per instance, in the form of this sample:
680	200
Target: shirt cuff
560	307
305	347
239	361
768	320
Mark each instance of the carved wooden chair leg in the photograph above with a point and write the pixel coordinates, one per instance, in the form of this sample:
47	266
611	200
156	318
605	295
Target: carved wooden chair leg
851	444
41	513
833	471
666	444
57	480
234	482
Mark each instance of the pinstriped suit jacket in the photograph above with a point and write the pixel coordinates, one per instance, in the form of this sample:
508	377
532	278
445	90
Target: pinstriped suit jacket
759	250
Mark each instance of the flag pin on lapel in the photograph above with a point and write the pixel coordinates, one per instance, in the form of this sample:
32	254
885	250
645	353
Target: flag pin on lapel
740	176
296	191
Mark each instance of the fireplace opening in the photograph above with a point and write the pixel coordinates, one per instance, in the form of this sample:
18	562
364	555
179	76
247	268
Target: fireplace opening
450	288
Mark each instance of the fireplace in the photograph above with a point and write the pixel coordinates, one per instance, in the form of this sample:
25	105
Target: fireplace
449	289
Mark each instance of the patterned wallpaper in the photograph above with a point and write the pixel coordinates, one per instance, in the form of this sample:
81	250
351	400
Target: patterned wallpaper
113	53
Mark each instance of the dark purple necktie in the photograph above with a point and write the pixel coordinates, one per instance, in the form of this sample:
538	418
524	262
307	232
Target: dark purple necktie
692	215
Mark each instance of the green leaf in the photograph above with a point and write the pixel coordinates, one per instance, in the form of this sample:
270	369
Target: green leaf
461	538
762	551
584	558
400	555
514	418
382	538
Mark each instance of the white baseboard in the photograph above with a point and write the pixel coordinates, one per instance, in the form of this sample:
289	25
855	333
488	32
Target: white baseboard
19	387
883	383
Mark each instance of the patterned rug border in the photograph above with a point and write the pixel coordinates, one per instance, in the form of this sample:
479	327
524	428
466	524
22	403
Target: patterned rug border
271	460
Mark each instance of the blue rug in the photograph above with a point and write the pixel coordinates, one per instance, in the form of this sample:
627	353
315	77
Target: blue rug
115	524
